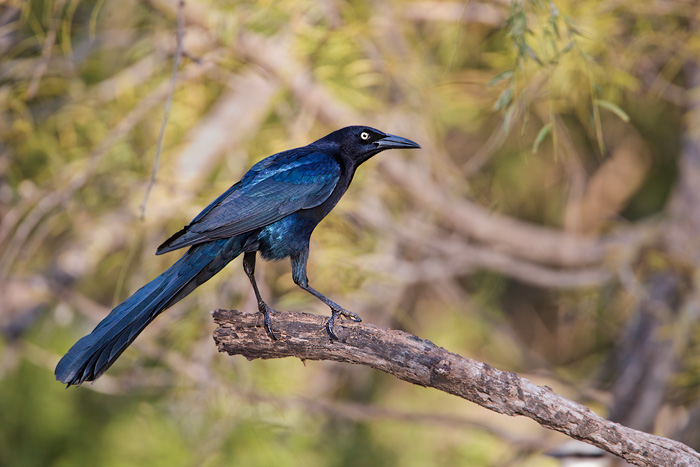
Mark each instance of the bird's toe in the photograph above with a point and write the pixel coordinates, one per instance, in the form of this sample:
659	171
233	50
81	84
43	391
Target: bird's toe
266	312
350	315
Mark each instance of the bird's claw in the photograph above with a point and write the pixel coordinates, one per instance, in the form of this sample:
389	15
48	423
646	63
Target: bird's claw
343	313
351	316
266	310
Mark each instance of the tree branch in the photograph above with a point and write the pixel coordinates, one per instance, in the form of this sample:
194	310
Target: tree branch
421	362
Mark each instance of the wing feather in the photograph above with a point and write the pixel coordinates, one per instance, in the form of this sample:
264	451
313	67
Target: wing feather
271	190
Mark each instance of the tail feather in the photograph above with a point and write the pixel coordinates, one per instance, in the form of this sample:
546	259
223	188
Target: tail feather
176	241
95	353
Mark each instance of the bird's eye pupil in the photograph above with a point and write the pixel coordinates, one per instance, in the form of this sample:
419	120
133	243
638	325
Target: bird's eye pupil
364	135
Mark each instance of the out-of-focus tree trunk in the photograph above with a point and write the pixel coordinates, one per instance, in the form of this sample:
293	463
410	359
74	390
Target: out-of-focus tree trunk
659	330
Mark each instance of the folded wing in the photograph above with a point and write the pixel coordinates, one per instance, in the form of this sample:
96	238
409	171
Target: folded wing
272	189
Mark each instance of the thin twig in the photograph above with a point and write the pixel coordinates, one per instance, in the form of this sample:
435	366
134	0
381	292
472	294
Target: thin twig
177	60
448	68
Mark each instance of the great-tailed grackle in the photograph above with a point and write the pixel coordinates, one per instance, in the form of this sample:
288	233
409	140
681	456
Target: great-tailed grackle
273	209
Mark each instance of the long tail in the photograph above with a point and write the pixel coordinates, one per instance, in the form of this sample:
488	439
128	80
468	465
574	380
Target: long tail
94	353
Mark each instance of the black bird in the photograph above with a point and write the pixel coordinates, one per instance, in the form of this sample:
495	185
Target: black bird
273	210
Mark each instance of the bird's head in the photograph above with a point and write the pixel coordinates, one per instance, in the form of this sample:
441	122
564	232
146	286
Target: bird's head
359	143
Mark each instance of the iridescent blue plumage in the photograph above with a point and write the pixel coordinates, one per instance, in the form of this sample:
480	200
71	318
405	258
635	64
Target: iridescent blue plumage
272	210
272	189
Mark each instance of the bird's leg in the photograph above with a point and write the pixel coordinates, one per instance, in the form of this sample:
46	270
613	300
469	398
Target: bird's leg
336	310
249	268
300	279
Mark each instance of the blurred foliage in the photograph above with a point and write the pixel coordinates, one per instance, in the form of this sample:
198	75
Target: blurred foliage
518	101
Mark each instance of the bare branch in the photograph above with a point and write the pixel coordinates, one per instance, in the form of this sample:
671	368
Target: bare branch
421	362
467	258
611	186
449	257
222	128
512	236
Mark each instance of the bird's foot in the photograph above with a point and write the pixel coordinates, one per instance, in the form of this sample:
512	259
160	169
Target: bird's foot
266	310
343	313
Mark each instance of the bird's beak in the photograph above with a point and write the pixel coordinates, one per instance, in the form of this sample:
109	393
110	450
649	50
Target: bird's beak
395	142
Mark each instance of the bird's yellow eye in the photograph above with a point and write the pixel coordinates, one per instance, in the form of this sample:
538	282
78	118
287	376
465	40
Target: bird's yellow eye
364	135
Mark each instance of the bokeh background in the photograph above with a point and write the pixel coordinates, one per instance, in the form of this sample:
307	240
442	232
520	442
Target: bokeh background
549	226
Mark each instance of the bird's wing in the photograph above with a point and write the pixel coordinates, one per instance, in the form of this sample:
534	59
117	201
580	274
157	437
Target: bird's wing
271	190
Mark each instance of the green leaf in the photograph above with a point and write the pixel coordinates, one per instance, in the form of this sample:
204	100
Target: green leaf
501	77
533	55
568	47
504	99
541	136
555	28
614	109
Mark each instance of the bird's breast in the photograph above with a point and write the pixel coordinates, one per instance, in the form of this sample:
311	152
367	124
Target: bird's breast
285	237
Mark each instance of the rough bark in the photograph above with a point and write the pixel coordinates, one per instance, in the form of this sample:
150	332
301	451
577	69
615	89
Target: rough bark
421	362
